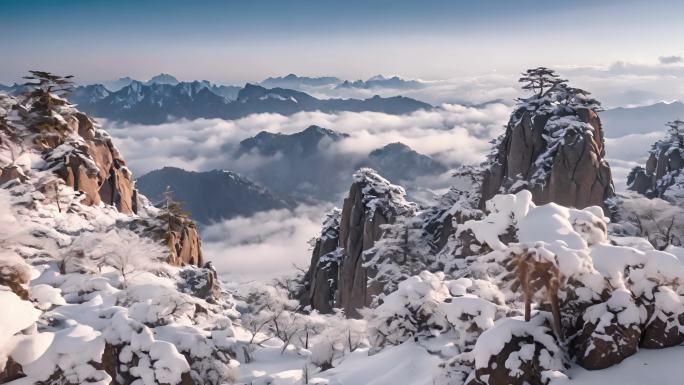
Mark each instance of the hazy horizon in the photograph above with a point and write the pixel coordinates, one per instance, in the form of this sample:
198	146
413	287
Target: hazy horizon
233	43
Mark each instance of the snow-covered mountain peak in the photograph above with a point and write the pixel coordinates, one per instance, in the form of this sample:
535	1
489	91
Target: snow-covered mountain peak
163	78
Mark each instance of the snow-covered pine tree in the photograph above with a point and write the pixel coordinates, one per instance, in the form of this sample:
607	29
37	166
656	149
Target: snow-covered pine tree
402	252
553	145
540	80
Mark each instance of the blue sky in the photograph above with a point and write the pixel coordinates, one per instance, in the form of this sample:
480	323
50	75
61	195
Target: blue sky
236	41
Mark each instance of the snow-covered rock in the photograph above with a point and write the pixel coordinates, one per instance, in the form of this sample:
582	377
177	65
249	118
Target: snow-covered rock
372	202
84	279
553	146
662	177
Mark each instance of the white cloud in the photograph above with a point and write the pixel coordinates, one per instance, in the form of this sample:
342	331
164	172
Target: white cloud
628	84
672	59
618	83
264	245
453	133
460	90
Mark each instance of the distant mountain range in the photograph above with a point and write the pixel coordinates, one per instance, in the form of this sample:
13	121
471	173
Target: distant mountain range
380	81
306	166
212	195
164	98
303	169
159	103
301	164
297	82
304	82
399	162
639	120
301	144
163	78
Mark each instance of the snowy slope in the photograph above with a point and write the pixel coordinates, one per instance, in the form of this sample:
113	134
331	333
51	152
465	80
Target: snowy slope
89	295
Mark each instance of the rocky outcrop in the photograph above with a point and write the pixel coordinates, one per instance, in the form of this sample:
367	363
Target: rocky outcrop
84	158
337	276
554	147
184	242
200	282
15	274
72	146
91	164
10	173
662	175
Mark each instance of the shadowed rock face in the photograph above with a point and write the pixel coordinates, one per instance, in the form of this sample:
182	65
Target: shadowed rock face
325	260
662	177
337	276
558	157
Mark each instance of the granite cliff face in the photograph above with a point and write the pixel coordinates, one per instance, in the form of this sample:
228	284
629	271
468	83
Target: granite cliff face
662	177
554	147
337	276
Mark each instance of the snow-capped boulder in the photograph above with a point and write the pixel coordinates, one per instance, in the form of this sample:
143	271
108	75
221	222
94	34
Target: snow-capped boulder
553	146
611	332
10	173
15	274
515	352
200	282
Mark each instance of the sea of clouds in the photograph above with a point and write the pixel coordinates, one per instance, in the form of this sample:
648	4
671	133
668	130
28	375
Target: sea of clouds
457	132
454	134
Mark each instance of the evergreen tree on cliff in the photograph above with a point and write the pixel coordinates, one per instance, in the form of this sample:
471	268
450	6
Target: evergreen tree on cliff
553	146
43	103
540	80
676	131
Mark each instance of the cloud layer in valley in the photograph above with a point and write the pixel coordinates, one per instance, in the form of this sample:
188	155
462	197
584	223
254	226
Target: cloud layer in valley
454	134
264	245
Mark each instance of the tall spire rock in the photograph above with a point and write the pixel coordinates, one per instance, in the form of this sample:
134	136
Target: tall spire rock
553	146
338	276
